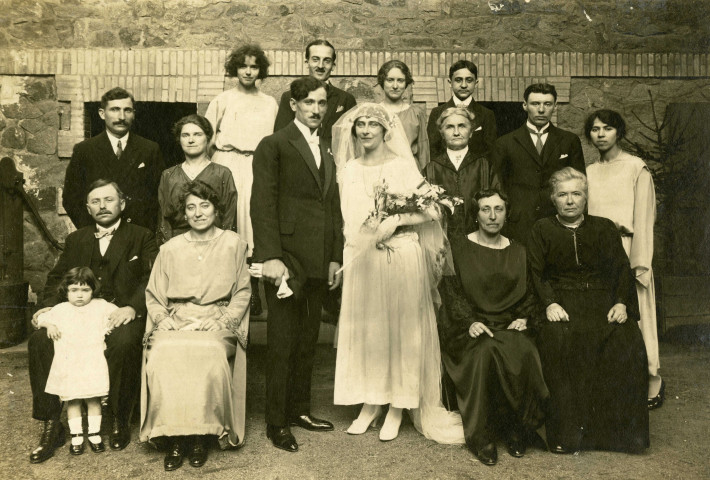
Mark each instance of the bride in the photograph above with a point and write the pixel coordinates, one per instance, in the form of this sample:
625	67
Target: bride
388	348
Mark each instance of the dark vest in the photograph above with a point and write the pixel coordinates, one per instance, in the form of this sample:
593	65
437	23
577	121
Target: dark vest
99	265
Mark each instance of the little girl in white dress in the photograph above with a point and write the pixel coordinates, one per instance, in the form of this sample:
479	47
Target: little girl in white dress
79	370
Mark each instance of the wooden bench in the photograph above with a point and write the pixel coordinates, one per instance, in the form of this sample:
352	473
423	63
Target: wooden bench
684	301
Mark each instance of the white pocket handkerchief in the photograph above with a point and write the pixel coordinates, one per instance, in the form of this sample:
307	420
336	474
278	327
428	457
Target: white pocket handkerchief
478	129
564	155
141	165
135	257
339	109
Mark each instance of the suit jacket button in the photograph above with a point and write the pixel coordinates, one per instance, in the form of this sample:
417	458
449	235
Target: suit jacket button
128	219
537	209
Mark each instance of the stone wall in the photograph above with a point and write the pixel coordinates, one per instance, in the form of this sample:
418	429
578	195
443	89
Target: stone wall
481	25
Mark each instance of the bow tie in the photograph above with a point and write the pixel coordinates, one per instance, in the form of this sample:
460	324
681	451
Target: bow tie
105	233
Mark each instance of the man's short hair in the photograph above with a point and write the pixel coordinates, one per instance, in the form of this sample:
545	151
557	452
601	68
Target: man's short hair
301	87
463	111
101	182
319	41
470	66
237	59
611	118
116	93
544	88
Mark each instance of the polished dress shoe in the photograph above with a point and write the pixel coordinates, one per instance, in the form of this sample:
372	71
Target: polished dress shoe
312	423
120	435
488	455
97	447
77	449
198	451
560	450
516	445
657	401
282	438
173	459
52	438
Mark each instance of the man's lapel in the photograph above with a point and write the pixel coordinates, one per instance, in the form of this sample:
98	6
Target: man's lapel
301	145
86	247
326	158
552	146
522	136
106	157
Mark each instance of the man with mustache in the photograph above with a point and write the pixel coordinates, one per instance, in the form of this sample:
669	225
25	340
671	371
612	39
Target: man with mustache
463	78
320	59
121	256
298	237
526	158
131	161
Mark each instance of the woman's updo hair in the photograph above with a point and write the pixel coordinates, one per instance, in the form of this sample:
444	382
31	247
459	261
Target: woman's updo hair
564	175
202	191
195	119
387	66
472	220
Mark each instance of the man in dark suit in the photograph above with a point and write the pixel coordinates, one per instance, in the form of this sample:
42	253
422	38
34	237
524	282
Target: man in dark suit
295	214
121	256
463	78
131	161
526	157
320	58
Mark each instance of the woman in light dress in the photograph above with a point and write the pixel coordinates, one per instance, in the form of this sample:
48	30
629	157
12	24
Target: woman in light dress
241	117
194	372
394	77
388	347
621	189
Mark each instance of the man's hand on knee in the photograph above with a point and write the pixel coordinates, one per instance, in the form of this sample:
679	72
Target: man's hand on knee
121	316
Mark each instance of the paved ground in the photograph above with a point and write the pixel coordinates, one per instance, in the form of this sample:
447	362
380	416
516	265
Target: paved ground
679	437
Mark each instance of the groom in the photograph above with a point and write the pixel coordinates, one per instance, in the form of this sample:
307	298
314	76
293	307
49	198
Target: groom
295	212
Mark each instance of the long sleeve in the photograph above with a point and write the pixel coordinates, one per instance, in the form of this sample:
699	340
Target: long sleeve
264	201
423	153
526	307
146	257
455	316
50	296
433	134
499	164
164	230
285	115
235	316
490	130
73	196
229	222
156	300
577	155
537	252
641	254
214	113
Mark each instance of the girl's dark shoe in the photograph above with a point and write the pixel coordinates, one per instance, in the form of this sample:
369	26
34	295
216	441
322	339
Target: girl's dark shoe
657	401
77	449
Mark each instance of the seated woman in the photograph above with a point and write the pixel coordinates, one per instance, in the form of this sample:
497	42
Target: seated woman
483	325
194	374
193	133
592	352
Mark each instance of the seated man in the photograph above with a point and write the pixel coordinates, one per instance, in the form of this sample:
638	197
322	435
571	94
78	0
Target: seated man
121	255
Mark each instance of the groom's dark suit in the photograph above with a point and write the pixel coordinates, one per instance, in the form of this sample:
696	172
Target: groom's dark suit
525	174
123	272
295	214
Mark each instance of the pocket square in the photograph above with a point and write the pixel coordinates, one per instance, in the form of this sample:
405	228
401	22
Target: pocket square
564	155
141	165
478	129
339	109
135	257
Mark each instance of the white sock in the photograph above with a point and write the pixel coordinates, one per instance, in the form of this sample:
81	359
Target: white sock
94	428
75	428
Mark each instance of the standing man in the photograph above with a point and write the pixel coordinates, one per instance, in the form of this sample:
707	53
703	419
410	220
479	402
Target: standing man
463	78
131	161
121	256
295	212
527	157
320	58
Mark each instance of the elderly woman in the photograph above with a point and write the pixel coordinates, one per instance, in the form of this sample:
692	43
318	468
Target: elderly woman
592	352
621	189
488	303
194	374
193	133
394	77
459	171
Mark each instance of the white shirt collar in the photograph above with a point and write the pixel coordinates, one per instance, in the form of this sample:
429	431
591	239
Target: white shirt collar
114	140
546	127
456	156
310	137
100	229
465	103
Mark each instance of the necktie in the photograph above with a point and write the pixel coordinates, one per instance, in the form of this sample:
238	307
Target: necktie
538	142
119	150
105	233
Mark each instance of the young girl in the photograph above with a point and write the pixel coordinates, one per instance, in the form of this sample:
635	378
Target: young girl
79	371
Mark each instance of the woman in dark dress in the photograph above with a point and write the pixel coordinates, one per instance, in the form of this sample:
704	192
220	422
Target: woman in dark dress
592	352
193	133
483	326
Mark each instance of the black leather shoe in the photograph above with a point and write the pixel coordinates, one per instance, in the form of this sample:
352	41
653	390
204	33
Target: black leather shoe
516	445
657	401
51	439
198	451
173	459
282	438
77	449
488	455
312	423
120	435
97	447
560	450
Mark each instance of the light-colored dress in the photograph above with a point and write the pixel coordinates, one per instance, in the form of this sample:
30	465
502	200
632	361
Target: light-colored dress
194	382
79	368
240	121
414	120
388	347
622	191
